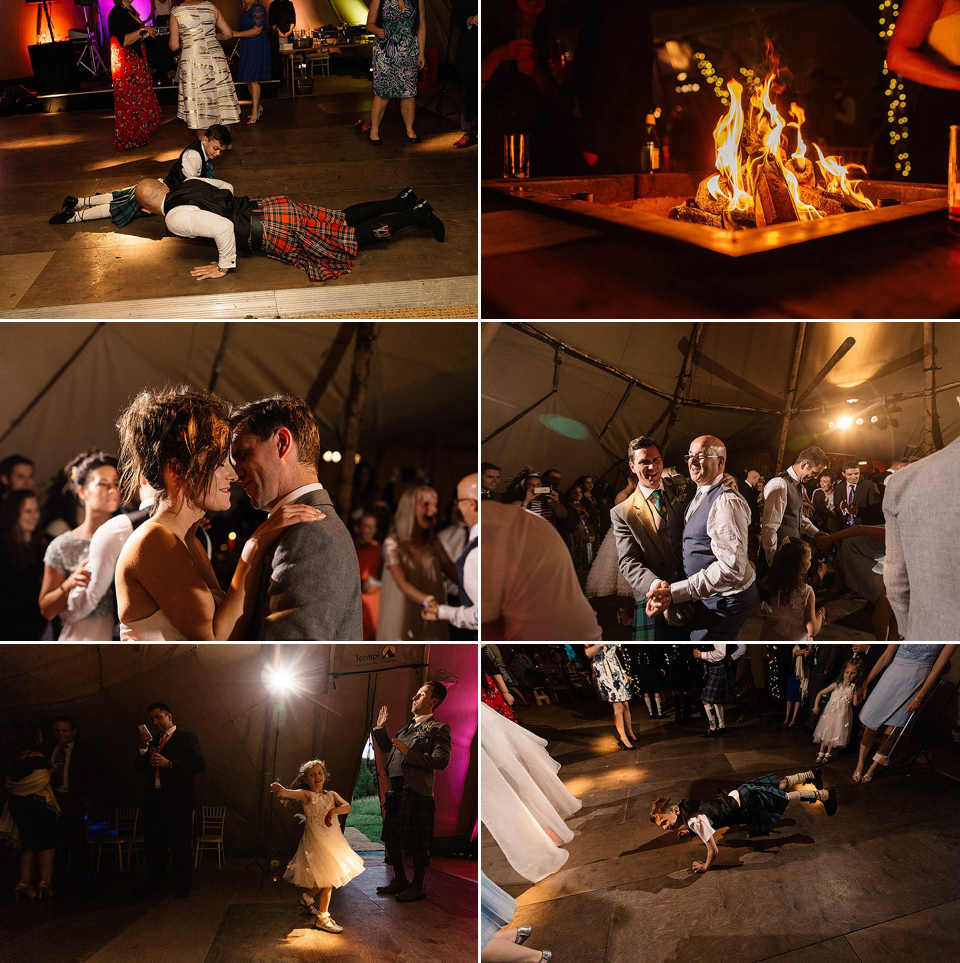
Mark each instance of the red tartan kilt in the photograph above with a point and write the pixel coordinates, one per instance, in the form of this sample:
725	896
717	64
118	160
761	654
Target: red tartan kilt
134	102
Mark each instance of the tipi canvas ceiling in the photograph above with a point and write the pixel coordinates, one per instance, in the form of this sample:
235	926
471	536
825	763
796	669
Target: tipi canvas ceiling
741	365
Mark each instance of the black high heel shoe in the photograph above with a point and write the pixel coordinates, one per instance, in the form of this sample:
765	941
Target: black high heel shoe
25	890
623	745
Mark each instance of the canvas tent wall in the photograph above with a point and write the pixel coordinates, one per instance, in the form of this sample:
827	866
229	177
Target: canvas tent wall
217	692
743	370
65	383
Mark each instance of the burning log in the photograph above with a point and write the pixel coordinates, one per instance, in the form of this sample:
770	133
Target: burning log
691	213
828	204
771	198
706	201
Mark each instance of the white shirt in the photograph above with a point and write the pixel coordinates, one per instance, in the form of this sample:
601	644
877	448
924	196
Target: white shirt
774	505
647	492
529	580
727	526
192	164
700	825
466	616
104	551
189	221
66	752
295	494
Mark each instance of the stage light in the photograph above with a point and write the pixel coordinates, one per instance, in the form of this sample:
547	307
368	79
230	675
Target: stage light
833	424
874	419
279	680
859	421
335	456
328	456
565	426
845	422
852	401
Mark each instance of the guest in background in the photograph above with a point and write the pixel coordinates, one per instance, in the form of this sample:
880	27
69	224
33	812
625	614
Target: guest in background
825	505
30	815
401	31
464	14
614	686
371	571
494	691
579	531
282	19
206	94
489	481
254	53
16	471
414	563
137	113
22	546
94	477
859	498
70	778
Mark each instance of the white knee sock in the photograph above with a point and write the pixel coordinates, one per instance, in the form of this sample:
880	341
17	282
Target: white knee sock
798	779
94	200
649	702
659	703
719	711
90	213
807	795
708	709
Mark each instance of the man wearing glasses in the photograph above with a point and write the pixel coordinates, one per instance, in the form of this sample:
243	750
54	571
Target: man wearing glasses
463	616
718	573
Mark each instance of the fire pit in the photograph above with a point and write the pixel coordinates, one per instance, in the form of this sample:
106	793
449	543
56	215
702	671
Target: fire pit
641	203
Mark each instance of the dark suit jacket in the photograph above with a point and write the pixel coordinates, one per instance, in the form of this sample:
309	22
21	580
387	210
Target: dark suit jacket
866	497
80	772
429	750
176	790
310	586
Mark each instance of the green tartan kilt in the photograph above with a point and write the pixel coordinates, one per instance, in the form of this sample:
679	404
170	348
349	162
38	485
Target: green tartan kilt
408	821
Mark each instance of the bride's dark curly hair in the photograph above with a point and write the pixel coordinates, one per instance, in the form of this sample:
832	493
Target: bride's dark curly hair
186	428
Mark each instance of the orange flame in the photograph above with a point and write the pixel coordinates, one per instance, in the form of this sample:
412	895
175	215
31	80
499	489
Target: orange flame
727	138
835	175
801	152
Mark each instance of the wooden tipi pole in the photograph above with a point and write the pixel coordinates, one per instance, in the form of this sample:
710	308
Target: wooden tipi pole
359	377
791	393
682	383
929	391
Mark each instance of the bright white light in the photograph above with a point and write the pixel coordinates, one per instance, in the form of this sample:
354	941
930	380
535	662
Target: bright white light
335	456
328	456
278	680
844	422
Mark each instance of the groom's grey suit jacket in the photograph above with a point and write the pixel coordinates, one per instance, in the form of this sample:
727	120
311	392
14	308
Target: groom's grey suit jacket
650	547
310	585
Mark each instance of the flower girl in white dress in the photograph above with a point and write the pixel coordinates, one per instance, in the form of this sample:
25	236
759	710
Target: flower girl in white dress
324	859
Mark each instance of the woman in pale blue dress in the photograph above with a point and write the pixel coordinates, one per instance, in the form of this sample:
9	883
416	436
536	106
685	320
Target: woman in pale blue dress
498	944
900	692
614	686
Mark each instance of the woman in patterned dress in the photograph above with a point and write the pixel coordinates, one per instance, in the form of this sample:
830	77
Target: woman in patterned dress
207	95
254	53
401	32
137	113
613	684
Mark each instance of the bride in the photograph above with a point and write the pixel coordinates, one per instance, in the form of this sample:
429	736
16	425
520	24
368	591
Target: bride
179	441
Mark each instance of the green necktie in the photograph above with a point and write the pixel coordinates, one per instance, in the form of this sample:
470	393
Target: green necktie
658	503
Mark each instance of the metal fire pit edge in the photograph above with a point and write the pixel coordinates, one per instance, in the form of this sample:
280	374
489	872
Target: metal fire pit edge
552	196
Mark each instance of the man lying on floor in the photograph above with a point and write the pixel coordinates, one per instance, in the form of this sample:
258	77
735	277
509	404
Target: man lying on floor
757	804
319	241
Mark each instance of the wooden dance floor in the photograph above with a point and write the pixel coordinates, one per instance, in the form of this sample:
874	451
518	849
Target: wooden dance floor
307	148
228	918
876	883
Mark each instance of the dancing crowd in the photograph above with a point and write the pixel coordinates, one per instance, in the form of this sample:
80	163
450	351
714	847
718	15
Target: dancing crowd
676	557
51	796
845	697
82	566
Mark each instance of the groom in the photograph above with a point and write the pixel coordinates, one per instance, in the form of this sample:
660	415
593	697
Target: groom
310	586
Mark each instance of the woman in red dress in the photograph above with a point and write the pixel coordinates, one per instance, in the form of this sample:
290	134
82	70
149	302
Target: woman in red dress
134	102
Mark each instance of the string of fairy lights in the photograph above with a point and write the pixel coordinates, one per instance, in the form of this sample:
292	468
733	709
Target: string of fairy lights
896	95
897	120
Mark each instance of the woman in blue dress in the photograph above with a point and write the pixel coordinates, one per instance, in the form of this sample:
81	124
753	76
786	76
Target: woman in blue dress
900	692
254	53
401	31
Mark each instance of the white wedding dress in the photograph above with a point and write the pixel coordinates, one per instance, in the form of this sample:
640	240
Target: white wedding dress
157	627
522	800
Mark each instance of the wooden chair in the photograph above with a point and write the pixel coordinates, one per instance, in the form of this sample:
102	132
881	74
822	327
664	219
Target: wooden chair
124	832
98	828
320	58
211	833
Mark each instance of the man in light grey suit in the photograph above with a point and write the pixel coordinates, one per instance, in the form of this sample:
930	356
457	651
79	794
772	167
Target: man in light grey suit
310	585
920	571
649	532
417	751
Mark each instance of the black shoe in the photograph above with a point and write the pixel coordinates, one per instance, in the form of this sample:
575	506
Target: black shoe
622	745
831	803
61	217
408	197
411	894
413	140
818	777
391	889
70	202
376	143
430	220
709	734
